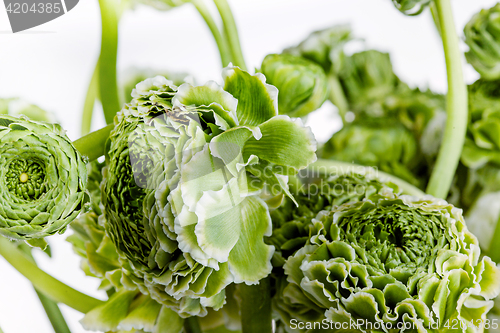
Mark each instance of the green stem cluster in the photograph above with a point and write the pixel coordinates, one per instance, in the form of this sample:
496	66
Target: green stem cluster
456	123
43	282
231	33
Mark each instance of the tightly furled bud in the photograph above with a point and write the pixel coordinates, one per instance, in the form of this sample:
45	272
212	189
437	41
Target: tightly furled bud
411	7
302	84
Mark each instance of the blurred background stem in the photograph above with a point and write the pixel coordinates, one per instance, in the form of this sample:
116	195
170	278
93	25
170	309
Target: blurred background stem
51	308
337	95
90	98
456	106
231	33
43	282
108	85
225	52
494	250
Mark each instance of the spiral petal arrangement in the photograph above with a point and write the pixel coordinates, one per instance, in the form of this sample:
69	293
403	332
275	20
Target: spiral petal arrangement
391	260
178	193
43	179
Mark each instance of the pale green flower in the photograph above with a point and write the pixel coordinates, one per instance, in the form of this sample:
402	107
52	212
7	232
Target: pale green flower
43	180
390	260
301	83
411	7
482	35
185	166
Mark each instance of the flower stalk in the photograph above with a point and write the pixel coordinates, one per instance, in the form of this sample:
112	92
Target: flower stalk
92	145
225	52
256	312
90	98
108	86
456	123
231	33
45	283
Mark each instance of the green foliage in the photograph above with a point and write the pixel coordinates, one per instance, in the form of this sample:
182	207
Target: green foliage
411	7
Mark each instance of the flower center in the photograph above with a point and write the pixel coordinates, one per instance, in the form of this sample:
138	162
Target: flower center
26	179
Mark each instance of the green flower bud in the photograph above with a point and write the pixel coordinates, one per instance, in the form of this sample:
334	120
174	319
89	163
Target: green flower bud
43	180
411	7
390	260
367	78
325	47
482	35
378	142
302	84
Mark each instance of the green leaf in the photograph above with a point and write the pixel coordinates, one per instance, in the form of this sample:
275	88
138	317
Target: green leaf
257	101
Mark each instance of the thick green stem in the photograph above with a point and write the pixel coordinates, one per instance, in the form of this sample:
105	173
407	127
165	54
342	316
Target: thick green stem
337	96
494	251
90	98
43	282
92	145
231	32
256	312
456	122
108	86
225	53
192	325
329	167
51	308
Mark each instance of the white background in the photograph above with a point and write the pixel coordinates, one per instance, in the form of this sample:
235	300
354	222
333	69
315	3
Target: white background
51	66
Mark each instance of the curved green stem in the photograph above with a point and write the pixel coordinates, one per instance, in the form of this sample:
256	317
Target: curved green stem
456	122
51	308
338	168
92	145
225	53
256	312
192	325
337	96
49	286
108	86
231	33
90	98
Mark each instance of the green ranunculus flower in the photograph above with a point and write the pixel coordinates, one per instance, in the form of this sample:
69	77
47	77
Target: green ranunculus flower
389	261
43	180
377	142
484	98
482	35
180	200
367	79
483	217
17	107
292	224
301	83
411	7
